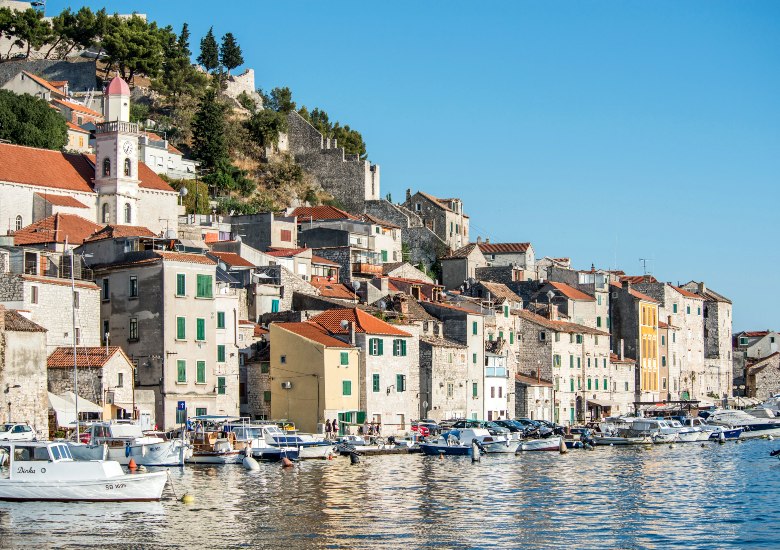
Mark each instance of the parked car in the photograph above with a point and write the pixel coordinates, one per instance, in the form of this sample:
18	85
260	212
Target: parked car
17	432
556	428
491	427
425	427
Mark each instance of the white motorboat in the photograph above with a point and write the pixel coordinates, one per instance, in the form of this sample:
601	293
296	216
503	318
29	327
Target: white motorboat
256	436
46	471
126	440
652	429
212	447
544	444
752	425
616	440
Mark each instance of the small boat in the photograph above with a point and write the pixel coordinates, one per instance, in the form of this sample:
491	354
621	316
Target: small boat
446	444
728	434
46	471
215	447
255	437
489	443
618	440
125	441
752	426
544	444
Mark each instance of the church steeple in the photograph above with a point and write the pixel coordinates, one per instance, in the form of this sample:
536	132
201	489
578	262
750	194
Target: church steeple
116	158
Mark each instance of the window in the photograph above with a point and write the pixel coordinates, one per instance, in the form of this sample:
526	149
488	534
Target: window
556	360
588	362
181	328
128	213
18	223
474	327
200	330
181	371
417	206
596	339
598	299
375	383
107	167
450	389
220	319
221	353
626	386
490	337
571	384
286	235
492	391
698	311
34	296
181	416
506	311
106	293
399	347
346	387
105	334
474	389
501	394
267	396
674	308
579	362
221	385
589	383
181	284
375	346
204	287
500	334
120	380
384	256
579	338
201	411
688	310
605	362
605	385
345	358
663	360
283	359
400	382
598	322
133	328
571	361
274	306
132	292
200	372
663	383
557	336
743	341
77	333
542	336
663	340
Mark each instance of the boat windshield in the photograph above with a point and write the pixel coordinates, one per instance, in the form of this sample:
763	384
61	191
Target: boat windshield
125	430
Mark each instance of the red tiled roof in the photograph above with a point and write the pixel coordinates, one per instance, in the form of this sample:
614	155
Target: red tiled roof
376	221
55	229
636	293
60	282
31	166
117	231
571	292
363	322
285	252
686	293
462	252
560	326
78	107
97	356
147	178
76	128
323	261
312	331
453	307
258	330
324	212
16	322
638	279
232	259
174	150
503	248
613	358
45	83
532	380
185	257
414	281
754	333
117	86
334	290
61	200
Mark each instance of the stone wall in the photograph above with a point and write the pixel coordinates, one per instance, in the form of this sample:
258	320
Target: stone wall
350	180
341	255
257	383
498	274
443	379
763	379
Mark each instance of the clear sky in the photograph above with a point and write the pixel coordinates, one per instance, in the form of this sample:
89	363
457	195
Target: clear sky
602	131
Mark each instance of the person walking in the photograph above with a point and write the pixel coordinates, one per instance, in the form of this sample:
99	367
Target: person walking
328	429
335	427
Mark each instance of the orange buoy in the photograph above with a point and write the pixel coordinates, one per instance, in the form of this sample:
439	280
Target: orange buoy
132	466
286	462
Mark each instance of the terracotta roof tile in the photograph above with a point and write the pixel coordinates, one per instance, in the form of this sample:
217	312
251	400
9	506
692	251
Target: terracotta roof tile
503	248
78	107
613	358
638	279
462	252
532	380
45	83
76	128
571	292
285	252
15	322
31	166
334	290
232	259
61	200
636	293
186	257
559	326
60	282
376	221
56	229
686	293
323	261
312	331
118	231
97	356
331	321
500	290
324	212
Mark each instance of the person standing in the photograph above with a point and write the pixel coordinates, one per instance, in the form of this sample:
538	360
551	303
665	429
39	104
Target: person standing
335	427
328	429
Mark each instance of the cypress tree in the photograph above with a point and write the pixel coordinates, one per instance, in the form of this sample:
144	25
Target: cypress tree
209	52
209	144
230	53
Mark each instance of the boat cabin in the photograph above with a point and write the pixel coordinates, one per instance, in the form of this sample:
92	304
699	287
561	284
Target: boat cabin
23	459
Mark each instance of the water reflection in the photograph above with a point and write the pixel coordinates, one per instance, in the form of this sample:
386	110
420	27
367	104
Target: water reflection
716	496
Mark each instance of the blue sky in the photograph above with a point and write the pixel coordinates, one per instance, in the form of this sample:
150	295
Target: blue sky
602	131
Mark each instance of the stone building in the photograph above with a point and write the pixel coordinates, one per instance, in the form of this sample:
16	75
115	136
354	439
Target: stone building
444	217
254	371
625	375
533	398
444	375
461	265
763	377
105	377
23	372
349	179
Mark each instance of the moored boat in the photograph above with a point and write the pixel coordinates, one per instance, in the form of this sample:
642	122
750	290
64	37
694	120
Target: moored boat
126	441
46	471
544	444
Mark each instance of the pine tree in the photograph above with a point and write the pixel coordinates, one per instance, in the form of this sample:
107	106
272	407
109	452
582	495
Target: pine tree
230	53
209	51
209	144
184	41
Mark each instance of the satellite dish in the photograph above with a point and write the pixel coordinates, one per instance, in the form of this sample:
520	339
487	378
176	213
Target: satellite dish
183	192
223	266
345	324
170	234
550	295
382	306
238	238
355	285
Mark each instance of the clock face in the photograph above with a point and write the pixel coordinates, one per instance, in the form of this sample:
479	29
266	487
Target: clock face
127	147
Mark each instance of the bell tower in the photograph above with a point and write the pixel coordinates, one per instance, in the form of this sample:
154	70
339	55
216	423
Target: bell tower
116	159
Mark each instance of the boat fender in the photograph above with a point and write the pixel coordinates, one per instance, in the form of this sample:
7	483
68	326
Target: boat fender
141	468
286	462
250	463
562	447
132	466
771	438
475	456
127	448
187	499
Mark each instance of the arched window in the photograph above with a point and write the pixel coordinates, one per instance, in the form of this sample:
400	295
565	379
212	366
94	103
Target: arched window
128	213
18	223
127	167
107	167
105	213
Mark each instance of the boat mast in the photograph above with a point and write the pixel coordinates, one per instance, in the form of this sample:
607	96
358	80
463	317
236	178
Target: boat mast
75	364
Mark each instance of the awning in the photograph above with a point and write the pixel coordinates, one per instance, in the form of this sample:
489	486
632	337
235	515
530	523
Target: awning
64	406
602	403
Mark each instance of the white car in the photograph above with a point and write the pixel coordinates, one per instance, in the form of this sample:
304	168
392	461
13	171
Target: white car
16	432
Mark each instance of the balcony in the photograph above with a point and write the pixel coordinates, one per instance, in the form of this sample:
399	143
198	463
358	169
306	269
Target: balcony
360	268
117	126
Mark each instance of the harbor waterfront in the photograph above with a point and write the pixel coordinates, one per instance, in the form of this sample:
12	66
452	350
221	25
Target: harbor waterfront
711	496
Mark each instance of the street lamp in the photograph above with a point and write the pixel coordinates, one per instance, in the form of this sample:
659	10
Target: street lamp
8	388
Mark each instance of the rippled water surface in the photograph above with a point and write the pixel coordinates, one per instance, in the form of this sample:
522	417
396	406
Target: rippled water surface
719	496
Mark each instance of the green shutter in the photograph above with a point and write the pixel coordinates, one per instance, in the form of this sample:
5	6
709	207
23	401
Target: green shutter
598	321
605	384
204	286
500	334
221	387
181	284
511	337
221	353
589	383
381	346
220	319
571	361
384	256
181	370
200	325
474	389
181	328
200	375
360	417
346	387
474	358
274	306
345	358
399	382
375	382
571	384
267	396
403	348
605	362
474	327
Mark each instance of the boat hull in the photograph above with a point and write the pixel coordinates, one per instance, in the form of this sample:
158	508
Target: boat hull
130	487
754	433
548	444
727	434
451	450
689	437
164	453
614	440
230	457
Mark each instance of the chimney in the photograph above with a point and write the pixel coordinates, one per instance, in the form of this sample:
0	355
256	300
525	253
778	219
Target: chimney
621	349
352	333
626	285
408	195
479	239
403	305
669	320
702	288
487	240
382	283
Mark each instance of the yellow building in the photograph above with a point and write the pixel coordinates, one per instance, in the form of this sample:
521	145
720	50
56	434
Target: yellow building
314	376
648	348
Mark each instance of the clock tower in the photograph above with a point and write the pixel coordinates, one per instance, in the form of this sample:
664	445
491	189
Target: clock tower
116	159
